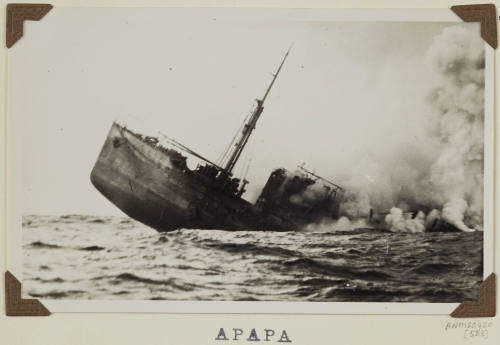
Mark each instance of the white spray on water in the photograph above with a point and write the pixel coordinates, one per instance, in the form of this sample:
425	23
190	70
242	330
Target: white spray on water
341	224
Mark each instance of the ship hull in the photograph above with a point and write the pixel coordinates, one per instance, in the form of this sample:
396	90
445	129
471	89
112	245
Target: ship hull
142	181
136	182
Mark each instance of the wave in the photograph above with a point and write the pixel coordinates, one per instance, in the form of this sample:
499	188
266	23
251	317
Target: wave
30	221
97	221
334	255
247	299
161	239
254	249
323	282
445	295
187	267
364	294
57	294
92	248
134	278
121	293
434	268
355	251
171	282
53	280
324	268
41	245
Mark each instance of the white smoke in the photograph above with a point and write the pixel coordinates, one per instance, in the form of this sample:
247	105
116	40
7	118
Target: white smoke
355	205
442	175
457	54
453	213
432	219
405	222
342	224
310	195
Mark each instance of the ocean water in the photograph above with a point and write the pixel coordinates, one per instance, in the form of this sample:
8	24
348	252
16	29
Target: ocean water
88	257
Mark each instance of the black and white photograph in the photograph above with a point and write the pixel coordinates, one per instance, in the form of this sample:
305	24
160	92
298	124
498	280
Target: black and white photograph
249	155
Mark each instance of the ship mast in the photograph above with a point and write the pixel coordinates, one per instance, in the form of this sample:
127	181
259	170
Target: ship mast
250	125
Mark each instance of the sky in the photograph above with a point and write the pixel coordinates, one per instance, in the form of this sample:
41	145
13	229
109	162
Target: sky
349	91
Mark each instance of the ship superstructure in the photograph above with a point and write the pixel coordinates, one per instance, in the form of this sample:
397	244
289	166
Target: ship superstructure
153	184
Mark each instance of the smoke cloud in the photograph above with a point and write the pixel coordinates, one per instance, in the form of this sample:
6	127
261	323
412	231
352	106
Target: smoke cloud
457	175
439	178
453	213
342	224
401	222
310	195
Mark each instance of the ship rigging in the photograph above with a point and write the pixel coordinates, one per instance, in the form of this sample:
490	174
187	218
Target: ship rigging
235	148
153	184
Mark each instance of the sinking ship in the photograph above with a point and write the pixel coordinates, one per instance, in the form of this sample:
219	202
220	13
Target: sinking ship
152	183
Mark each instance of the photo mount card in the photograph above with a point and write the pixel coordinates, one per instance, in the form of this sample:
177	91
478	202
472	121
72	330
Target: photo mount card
360	196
